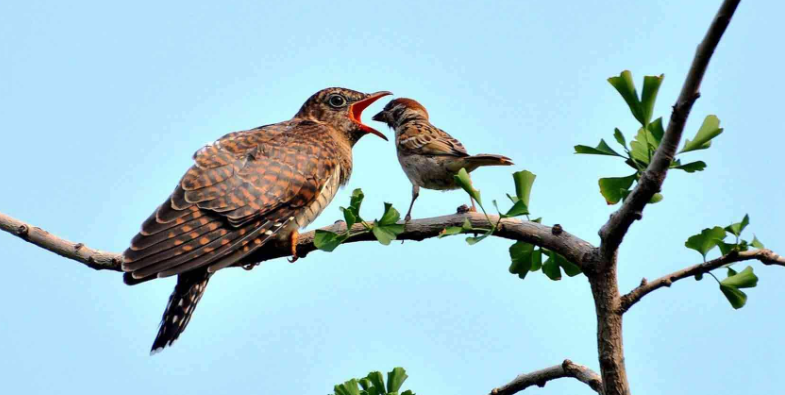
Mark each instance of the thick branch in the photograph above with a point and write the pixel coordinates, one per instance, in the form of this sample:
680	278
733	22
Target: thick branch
651	181
571	247
540	377
767	257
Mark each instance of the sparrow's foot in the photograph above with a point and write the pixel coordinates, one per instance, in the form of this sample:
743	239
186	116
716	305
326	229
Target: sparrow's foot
293	238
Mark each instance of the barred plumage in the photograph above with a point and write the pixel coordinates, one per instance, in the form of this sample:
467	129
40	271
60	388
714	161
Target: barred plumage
244	190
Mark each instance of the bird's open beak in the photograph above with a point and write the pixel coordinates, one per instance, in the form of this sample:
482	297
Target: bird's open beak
356	111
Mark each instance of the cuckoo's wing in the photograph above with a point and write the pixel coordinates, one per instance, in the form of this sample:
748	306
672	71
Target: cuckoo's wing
241	191
422	138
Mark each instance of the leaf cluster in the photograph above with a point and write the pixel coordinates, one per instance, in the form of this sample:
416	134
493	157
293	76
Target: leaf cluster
385	229
710	238
373	384
640	150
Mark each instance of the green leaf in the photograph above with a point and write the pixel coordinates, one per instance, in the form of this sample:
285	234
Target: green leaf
463	179
727	248
395	379
731	272
523	185
537	220
619	136
626	88
708	130
656	198
348	388
651	84
536	260
521	256
756	243
551	267
706	240
519	208
736	298
744	279
356	200
601	149
383	234
450	231
570	268
378	381
611	188
474	240
646	142
328	241
390	216
656	131
349	217
690	167
408	392
738	227
365	383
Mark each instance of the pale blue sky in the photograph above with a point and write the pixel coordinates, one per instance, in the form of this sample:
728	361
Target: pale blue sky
103	105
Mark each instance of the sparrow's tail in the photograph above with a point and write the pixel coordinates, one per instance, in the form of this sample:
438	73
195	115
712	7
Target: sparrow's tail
473	162
189	289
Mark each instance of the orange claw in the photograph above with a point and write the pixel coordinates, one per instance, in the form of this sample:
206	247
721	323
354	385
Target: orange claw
293	238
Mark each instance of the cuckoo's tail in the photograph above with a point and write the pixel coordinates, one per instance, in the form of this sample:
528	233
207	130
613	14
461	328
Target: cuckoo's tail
187	293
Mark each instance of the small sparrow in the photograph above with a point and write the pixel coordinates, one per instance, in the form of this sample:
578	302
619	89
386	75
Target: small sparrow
245	192
429	156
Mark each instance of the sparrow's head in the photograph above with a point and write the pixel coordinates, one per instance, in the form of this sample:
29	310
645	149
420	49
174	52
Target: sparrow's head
401	110
341	108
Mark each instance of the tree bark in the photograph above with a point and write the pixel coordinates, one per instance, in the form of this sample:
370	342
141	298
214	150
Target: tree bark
610	347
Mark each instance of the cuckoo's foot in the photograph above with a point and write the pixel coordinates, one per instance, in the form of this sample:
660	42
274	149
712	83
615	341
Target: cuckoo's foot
293	238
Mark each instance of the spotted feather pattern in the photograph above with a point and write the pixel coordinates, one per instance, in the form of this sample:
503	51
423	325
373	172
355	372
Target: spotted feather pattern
182	303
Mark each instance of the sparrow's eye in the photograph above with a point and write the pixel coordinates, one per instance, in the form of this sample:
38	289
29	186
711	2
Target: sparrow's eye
336	101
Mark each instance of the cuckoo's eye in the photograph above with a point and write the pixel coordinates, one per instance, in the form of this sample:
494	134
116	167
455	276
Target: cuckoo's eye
336	101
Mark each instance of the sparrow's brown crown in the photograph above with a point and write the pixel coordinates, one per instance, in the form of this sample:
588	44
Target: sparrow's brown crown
400	111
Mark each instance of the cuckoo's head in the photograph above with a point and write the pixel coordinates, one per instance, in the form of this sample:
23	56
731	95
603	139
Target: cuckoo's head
342	109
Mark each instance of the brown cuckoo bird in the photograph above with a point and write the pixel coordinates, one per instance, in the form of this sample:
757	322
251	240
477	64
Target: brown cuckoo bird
428	155
248	190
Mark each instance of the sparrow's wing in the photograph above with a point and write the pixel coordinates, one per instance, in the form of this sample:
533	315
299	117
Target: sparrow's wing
422	138
241	191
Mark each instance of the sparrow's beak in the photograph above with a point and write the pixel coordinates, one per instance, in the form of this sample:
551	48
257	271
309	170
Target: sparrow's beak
379	117
356	111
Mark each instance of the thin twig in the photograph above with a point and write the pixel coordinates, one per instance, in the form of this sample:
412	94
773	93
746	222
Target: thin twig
767	257
567	369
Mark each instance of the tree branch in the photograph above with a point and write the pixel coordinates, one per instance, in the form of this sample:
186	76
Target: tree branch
767	257
571	247
96	259
540	377
651	181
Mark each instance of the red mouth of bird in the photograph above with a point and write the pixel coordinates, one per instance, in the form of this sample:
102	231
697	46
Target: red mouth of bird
356	112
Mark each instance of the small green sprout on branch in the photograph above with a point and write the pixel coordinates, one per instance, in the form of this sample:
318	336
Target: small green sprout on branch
385	229
639	152
525	257
373	384
710	238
